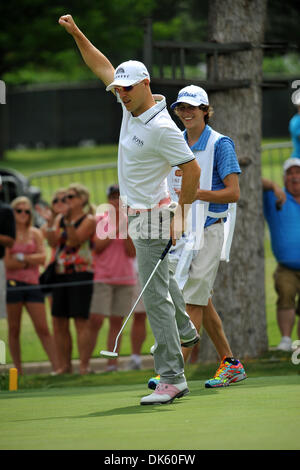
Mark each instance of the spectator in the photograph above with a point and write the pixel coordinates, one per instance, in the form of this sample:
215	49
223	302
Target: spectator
294	128
58	206
284	225
114	274
7	238
22	262
72	234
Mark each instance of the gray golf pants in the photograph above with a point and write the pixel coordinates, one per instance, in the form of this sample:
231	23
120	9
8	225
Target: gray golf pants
165	308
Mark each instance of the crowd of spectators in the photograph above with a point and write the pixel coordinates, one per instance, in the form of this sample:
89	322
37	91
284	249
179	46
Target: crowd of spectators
95	277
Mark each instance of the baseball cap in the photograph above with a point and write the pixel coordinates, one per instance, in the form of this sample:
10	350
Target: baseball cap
129	73
191	94
291	162
113	189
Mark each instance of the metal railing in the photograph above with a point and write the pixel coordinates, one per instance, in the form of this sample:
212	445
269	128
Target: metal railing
98	177
272	158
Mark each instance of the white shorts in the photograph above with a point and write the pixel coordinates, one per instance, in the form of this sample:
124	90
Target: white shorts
112	300
204	267
2	290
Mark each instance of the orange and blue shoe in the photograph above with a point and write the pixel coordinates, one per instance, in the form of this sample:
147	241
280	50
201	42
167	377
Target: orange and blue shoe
153	382
230	371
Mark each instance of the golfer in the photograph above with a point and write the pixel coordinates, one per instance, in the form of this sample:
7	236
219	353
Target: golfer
150	145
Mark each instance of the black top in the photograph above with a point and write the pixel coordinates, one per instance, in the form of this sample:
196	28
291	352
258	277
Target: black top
7	224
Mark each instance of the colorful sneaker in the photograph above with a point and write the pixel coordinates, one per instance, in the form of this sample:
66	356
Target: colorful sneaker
153	382
165	393
229	371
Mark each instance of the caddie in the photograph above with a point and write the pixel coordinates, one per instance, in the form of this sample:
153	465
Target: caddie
196	257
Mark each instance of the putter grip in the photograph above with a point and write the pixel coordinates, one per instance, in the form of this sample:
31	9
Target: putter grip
166	249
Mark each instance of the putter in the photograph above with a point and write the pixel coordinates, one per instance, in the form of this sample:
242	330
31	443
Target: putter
114	354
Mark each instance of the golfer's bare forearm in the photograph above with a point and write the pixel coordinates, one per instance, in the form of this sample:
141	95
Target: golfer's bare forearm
190	183
94	59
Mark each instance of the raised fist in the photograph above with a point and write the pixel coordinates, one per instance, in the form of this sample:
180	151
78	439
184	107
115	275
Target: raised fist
68	23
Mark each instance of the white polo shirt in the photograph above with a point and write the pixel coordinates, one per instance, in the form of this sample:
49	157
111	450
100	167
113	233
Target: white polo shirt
149	146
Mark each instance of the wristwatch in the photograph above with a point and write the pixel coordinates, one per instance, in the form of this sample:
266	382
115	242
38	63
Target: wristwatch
19	256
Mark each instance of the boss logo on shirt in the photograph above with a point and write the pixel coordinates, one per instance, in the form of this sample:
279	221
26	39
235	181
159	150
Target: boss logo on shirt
138	141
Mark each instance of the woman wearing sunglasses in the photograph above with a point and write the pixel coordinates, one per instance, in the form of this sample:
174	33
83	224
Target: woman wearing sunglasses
71	235
57	208
22	263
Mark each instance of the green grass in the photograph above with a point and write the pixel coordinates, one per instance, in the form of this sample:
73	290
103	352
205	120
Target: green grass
259	413
32	160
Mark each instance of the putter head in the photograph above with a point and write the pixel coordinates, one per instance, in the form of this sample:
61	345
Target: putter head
109	354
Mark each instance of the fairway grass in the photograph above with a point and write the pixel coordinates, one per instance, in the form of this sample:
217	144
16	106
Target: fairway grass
258	413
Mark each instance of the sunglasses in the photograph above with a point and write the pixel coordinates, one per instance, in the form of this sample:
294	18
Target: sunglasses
57	199
26	211
71	196
125	88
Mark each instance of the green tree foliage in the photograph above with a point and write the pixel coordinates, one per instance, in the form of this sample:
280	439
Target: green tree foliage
34	48
31	41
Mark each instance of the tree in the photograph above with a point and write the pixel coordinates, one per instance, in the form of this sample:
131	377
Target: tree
31	36
239	288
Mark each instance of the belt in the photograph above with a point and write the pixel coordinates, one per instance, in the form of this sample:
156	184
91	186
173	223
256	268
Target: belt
218	221
162	202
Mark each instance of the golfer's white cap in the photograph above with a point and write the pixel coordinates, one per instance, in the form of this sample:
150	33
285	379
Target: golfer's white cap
129	73
192	94
291	162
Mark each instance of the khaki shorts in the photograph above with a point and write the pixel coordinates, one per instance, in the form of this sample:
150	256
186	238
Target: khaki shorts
204	267
287	286
112	300
140	308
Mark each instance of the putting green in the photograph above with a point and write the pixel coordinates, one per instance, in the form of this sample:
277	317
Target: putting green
259	413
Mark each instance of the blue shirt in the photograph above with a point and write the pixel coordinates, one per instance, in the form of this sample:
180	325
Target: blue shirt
225	163
294	128
284	226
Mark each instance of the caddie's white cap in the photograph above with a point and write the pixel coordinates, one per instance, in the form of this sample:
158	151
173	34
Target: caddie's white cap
129	73
291	162
192	94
